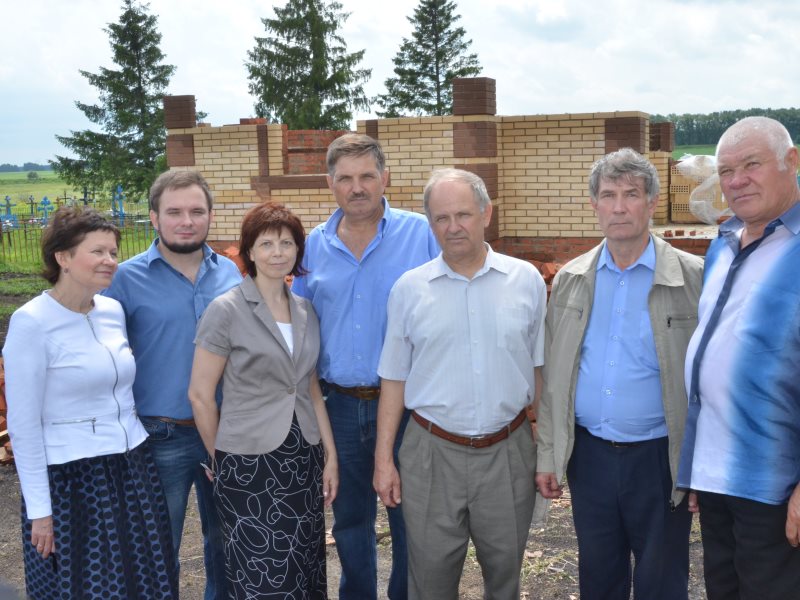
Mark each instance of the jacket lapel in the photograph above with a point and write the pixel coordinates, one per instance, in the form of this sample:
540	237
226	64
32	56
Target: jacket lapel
299	316
262	312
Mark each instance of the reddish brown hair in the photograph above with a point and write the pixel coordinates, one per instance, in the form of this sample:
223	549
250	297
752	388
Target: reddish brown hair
270	217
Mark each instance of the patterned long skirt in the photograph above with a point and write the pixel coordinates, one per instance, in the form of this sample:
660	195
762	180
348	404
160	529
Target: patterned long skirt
111	531
272	514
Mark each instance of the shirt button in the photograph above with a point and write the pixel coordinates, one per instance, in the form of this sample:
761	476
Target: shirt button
358	296
622	283
608	392
619	311
615	338
291	390
358	357
611	363
358	326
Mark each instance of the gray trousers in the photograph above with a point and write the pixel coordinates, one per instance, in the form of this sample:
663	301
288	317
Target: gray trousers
452	493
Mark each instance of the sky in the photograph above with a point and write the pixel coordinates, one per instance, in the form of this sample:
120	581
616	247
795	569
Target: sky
547	56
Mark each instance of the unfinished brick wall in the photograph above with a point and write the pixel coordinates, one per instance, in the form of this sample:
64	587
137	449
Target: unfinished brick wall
535	166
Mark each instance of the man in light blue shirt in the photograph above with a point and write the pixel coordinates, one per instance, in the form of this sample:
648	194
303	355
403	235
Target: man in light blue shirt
614	405
353	260
164	292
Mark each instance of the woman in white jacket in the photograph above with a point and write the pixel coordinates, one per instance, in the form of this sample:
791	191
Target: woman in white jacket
94	518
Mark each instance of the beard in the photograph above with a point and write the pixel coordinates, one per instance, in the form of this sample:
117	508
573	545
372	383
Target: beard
185	248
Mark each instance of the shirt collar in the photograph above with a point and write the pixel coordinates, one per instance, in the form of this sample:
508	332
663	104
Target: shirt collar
154	253
493	260
332	224
647	258
730	229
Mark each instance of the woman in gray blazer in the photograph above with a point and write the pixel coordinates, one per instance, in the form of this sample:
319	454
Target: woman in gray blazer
274	462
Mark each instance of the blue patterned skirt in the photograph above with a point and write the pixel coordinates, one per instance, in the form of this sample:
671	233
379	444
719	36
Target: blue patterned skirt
271	510
111	531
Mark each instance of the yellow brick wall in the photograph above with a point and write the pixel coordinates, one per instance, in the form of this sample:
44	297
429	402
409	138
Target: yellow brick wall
543	165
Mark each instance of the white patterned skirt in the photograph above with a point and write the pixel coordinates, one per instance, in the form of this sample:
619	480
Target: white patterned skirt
272	515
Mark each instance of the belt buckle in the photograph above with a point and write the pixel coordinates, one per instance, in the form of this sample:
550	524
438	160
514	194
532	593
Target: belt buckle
479	441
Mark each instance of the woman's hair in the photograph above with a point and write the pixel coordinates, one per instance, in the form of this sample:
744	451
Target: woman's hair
270	217
68	228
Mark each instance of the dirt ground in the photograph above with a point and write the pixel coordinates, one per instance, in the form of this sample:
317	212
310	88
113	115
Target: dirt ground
549	572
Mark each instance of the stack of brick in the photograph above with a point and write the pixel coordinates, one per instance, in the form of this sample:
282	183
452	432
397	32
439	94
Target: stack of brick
5	444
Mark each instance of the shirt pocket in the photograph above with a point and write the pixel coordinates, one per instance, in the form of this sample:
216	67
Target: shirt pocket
513	328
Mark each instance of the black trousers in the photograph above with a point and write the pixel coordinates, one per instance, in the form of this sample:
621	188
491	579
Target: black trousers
745	552
621	506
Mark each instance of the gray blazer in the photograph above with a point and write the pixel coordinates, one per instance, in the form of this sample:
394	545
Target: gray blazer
263	385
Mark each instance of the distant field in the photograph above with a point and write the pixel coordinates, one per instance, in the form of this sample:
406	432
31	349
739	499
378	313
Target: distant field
695	150
48	184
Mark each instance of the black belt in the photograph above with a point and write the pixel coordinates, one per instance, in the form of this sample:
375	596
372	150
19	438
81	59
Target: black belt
362	392
611	443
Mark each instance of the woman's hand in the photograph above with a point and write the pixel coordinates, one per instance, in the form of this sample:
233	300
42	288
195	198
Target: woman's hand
330	480
42	536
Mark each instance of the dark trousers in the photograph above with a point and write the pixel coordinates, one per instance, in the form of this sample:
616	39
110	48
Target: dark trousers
745	552
621	505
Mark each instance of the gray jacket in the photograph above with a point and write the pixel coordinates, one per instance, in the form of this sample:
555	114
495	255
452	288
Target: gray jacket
672	302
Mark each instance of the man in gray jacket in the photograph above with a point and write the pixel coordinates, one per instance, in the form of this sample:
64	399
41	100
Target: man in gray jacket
614	404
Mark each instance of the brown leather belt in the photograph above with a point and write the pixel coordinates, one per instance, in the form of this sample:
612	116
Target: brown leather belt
184	422
362	392
482	441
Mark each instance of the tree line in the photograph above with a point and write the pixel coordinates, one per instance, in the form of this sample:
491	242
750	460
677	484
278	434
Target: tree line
28	166
698	129
300	73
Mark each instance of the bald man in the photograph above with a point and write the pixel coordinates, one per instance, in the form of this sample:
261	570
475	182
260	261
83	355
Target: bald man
741	449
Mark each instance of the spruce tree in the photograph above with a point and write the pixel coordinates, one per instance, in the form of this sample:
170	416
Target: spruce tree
426	65
301	73
129	111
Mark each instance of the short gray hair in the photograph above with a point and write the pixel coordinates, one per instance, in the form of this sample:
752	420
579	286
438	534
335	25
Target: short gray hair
778	138
622	164
460	176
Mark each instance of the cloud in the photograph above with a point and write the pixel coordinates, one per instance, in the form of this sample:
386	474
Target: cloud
548	56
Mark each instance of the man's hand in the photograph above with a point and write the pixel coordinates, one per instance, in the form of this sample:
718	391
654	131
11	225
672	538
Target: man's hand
692	504
42	536
386	481
548	485
793	518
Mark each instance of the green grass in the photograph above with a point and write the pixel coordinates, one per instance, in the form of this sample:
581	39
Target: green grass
23	285
48	184
16	291
696	150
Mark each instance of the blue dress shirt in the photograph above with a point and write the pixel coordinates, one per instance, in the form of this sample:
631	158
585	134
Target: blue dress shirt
350	296
618	394
162	308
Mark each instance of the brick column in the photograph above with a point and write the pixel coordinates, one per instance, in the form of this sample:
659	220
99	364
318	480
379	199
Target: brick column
662	136
626	132
180	113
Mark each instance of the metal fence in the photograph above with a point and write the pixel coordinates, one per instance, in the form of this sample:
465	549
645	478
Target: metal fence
20	241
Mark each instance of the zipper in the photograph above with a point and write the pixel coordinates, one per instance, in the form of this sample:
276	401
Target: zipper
91	420
116	381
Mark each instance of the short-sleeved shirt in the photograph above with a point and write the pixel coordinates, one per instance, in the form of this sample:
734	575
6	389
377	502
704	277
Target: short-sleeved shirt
350	295
162	308
466	348
748	428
